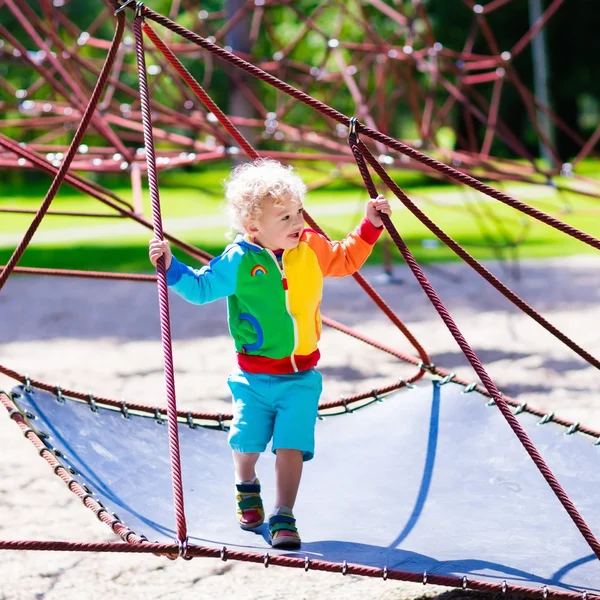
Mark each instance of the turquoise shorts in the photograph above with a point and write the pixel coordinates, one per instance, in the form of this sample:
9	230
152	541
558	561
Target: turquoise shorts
281	407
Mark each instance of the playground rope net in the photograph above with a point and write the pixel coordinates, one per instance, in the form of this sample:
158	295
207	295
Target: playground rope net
362	155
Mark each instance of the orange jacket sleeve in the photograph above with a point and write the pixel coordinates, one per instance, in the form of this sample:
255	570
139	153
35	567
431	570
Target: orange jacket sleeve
339	259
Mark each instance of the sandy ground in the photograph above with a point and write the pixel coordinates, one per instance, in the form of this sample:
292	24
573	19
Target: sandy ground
103	336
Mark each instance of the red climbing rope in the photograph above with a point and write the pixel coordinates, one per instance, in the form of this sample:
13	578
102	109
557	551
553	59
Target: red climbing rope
371	133
163	288
359	146
475	362
64	167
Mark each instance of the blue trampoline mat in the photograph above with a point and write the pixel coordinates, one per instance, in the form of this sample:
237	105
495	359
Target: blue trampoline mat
428	480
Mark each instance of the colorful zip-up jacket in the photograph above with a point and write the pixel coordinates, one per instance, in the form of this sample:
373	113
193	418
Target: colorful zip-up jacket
273	310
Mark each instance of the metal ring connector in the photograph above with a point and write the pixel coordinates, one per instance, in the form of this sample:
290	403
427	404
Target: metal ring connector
157	416
465	582
27	387
545	592
504	587
266	559
345	404
183	547
344	567
469	388
139	10
426	367
123	6
546	418
92	403
424	577
385	573
124	410
224	553
59	395
352	129
306	563
220	419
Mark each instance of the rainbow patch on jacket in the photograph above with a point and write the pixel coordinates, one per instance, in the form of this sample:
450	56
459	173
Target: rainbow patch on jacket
258	270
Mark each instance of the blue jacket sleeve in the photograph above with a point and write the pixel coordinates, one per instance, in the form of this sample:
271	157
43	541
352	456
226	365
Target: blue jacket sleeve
215	280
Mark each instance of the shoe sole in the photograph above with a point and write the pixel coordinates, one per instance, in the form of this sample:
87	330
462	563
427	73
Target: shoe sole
248	526
286	543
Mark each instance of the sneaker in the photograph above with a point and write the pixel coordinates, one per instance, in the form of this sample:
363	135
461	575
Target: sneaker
250	511
282	530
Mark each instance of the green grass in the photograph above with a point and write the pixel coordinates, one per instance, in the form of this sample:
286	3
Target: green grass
192	209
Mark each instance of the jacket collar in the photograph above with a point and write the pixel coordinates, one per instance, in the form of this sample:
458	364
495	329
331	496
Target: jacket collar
246	242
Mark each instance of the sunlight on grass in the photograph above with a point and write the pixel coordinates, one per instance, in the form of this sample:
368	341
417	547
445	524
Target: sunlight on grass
192	209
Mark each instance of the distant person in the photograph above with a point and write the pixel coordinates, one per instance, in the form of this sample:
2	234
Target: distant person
272	275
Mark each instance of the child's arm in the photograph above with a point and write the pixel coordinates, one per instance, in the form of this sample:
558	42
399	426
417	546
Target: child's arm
199	286
339	259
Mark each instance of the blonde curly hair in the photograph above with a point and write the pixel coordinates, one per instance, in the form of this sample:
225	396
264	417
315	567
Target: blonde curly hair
251	185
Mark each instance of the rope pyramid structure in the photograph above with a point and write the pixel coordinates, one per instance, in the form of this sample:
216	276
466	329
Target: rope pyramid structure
364	159
331	48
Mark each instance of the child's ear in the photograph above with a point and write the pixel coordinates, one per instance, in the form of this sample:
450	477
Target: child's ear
251	228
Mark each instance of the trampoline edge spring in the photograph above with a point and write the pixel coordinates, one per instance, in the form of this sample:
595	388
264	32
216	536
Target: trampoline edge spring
190	420
345	404
447	379
520	408
572	429
59	395
546	418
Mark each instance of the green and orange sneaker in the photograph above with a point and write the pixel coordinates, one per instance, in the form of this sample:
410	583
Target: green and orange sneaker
250	511
282	530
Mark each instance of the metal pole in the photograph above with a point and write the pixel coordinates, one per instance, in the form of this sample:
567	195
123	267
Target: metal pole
238	38
540	77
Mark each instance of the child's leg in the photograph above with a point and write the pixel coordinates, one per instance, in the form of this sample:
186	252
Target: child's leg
288	471
251	429
244	464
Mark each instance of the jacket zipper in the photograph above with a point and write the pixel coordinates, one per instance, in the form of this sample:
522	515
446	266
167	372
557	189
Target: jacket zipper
287	304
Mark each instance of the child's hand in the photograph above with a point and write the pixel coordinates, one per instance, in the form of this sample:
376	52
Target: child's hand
159	248
376	206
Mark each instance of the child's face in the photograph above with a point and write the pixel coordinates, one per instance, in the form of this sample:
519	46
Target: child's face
280	225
